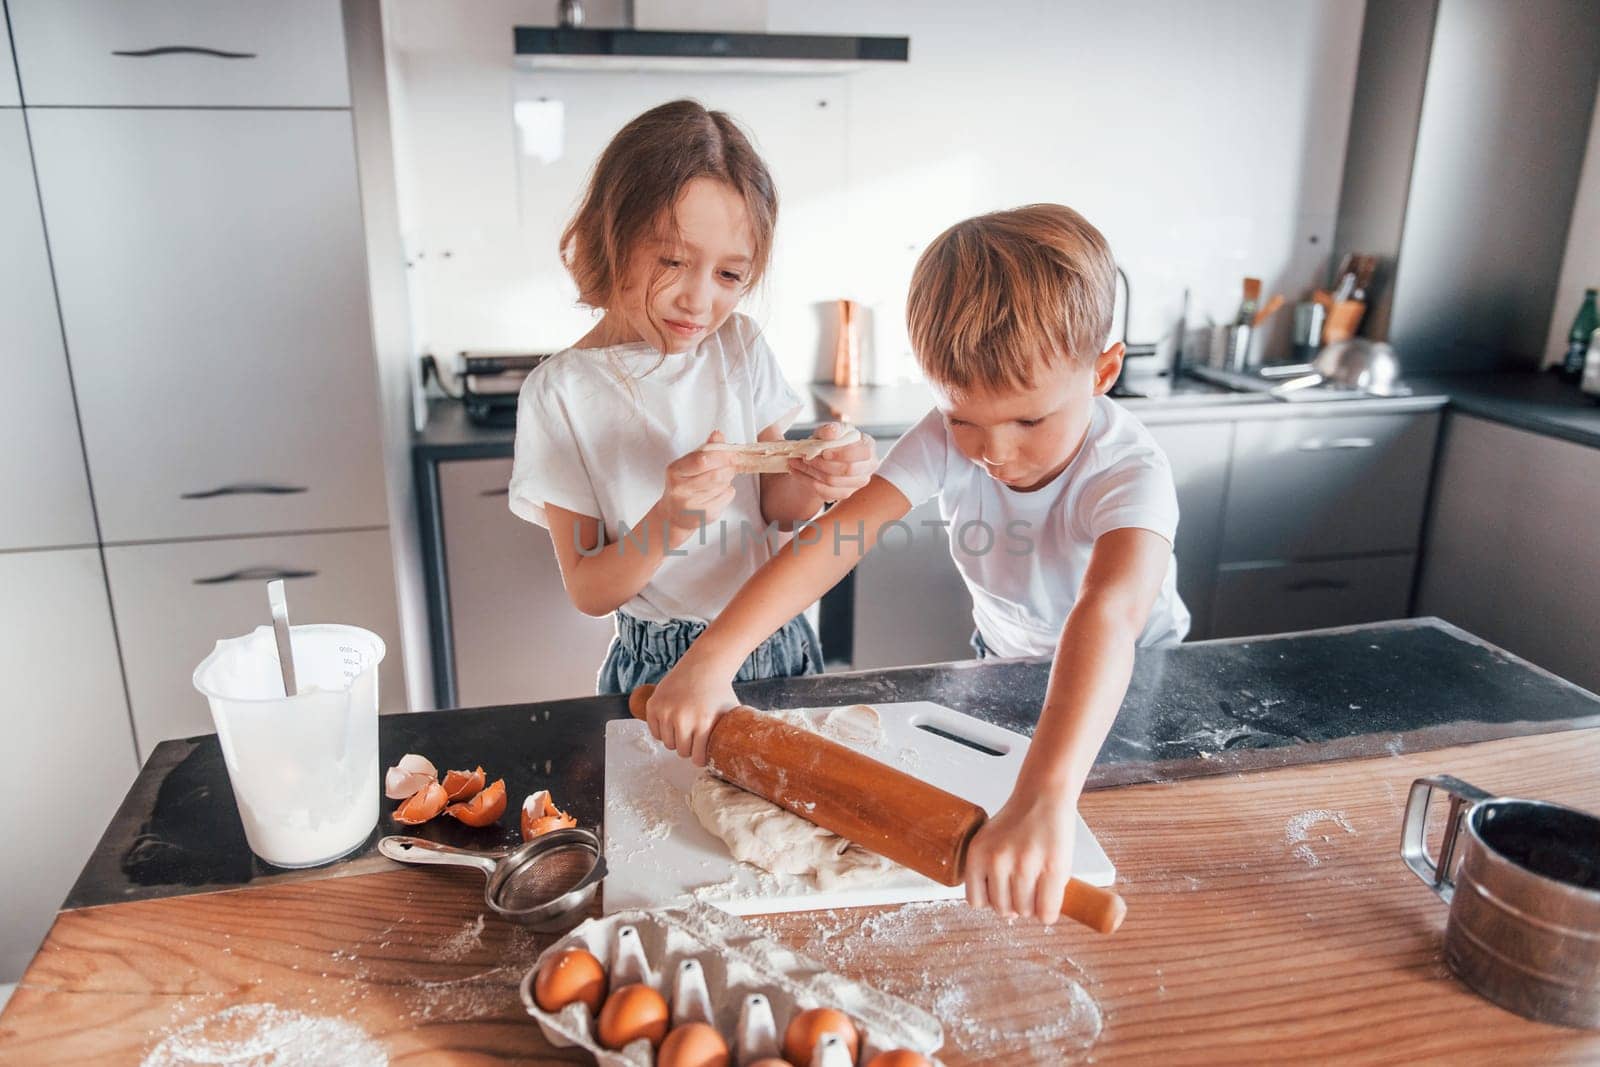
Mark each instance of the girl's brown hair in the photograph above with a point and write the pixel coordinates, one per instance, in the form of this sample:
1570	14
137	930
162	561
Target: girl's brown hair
637	182
995	296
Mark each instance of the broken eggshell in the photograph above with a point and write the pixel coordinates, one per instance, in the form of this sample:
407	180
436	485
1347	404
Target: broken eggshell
463	785
540	816
421	805
408	777
484	809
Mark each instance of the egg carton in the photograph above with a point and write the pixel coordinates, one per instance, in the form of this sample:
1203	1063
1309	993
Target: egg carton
715	969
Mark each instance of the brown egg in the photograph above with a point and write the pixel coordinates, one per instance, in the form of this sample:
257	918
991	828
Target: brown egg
900	1057
806	1029
573	975
693	1045
632	1012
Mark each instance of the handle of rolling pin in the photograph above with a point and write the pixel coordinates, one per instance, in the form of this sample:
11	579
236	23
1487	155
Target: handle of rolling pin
1101	910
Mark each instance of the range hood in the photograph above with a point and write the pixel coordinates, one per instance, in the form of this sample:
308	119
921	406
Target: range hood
551	48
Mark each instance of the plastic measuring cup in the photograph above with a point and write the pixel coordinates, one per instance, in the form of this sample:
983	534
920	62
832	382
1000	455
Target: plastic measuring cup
304	768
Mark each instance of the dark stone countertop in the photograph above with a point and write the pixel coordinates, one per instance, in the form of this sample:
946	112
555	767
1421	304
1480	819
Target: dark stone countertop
1539	402
1213	707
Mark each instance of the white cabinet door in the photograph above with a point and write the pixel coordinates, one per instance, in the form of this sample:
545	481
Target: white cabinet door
1513	549
516	635
68	749
44	490
1288	597
1312	487
173	602
174	53
1198	454
9	96
211	269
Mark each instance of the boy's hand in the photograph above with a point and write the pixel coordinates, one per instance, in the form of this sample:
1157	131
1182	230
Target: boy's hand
683	708
699	487
1020	861
838	472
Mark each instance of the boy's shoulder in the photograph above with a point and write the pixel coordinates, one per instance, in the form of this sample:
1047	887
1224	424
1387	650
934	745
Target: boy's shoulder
1117	440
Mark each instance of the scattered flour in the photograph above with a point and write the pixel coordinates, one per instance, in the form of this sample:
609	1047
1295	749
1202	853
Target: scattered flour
463	941
265	1035
1298	829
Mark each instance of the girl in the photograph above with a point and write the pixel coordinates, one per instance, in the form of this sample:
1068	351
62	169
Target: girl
676	226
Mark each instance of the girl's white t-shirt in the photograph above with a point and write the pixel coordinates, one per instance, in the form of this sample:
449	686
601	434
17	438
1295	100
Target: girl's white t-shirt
596	428
1024	555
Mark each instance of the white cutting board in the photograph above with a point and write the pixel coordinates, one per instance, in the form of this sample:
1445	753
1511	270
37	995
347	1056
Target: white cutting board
657	853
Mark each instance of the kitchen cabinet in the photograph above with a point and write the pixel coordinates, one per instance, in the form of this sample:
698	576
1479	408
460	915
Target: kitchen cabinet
69	751
180	53
515	634
1307	488
1512	551
43	484
211	271
1273	598
1199	454
911	605
173	602
9	95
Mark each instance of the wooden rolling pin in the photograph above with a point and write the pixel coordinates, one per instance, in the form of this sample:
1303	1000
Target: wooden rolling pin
878	807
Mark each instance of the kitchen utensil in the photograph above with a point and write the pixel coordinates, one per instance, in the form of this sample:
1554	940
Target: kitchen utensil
304	768
715	968
1230	347
1357	363
1268	310
279	605
1522	878
884	810
1250	301
1308	319
544	883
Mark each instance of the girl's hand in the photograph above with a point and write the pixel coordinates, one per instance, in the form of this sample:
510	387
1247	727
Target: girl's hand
838	472
684	706
699	488
1020	861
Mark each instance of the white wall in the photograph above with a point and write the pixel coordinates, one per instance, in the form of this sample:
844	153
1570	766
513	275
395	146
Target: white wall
1205	139
1580	269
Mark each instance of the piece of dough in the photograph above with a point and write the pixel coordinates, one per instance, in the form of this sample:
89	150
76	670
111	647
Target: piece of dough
772	457
761	833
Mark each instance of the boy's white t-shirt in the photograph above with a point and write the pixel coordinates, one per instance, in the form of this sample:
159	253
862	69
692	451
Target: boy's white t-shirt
1025	583
597	427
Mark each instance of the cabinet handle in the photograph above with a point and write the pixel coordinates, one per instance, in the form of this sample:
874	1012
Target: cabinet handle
1305	585
181	49
1317	444
255	574
244	489
496	492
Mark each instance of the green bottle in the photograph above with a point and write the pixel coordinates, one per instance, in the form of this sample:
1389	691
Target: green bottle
1583	326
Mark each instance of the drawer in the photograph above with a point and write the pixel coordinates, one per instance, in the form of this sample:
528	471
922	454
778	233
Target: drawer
517	636
1282	598
911	605
1306	488
180	53
173	602
212	275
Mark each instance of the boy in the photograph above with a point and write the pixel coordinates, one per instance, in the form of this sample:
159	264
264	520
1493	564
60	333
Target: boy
1061	510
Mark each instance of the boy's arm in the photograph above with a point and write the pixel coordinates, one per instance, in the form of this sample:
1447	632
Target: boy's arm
694	692
1020	862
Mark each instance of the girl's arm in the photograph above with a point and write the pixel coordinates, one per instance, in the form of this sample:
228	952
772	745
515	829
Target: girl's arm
795	497
700	687
601	577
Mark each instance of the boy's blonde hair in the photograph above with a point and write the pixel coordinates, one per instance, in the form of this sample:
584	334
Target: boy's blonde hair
994	295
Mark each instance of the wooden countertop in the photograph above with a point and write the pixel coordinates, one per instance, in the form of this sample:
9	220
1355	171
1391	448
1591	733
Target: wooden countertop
1270	919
